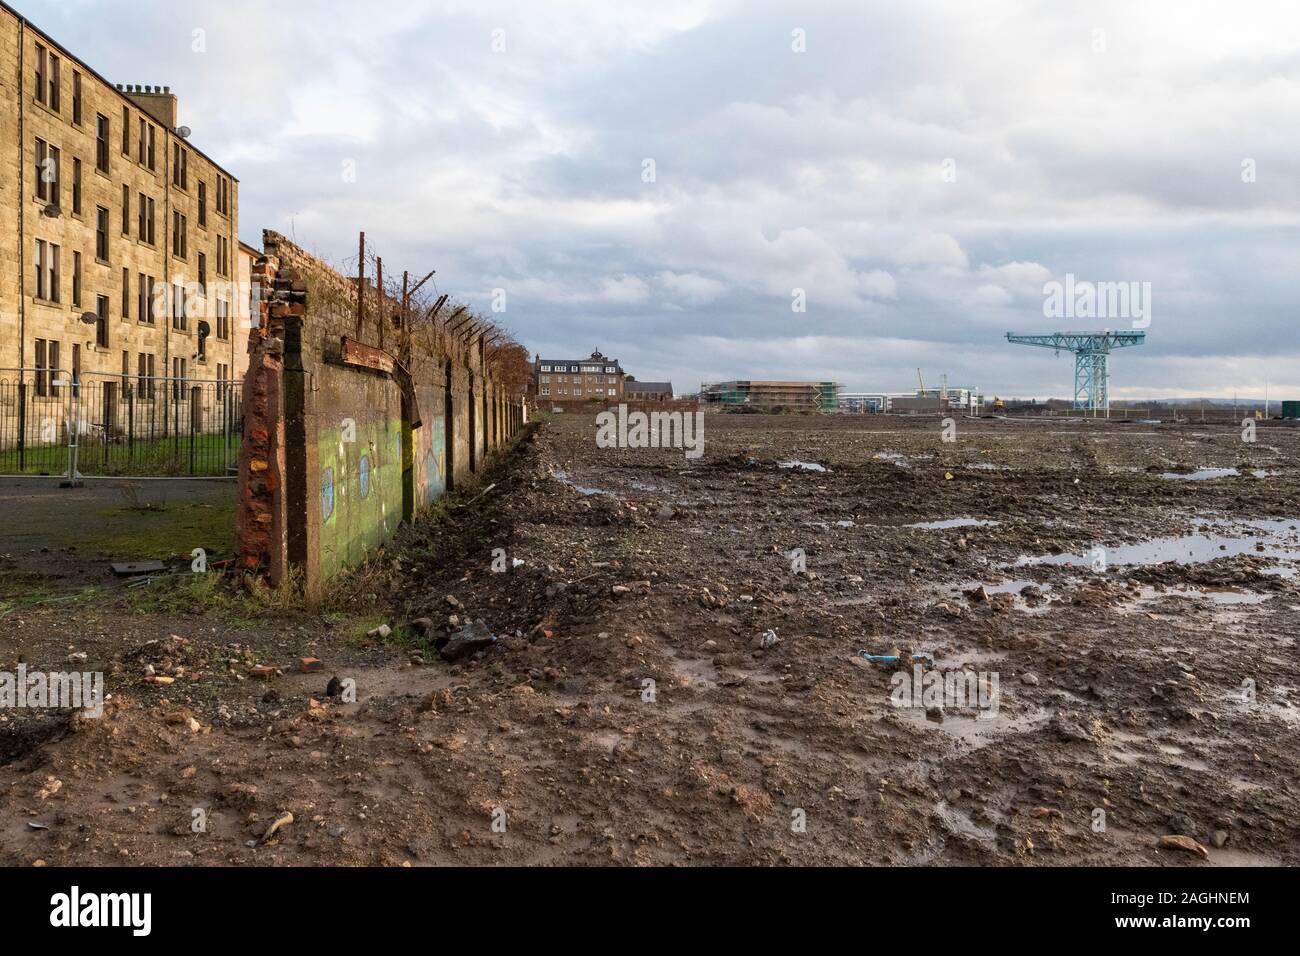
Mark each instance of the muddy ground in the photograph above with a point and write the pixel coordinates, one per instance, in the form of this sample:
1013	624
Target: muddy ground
1138	617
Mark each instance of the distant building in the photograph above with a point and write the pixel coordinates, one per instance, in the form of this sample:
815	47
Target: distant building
635	391
791	396
874	402
596	377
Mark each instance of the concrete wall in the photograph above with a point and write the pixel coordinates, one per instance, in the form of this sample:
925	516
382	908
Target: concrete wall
355	463
358	440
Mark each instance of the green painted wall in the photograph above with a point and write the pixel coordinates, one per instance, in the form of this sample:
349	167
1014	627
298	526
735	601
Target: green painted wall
360	491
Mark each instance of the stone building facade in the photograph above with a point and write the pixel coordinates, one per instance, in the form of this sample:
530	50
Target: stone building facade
119	248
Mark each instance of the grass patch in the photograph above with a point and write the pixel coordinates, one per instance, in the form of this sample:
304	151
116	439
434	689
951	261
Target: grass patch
16	595
203	455
162	531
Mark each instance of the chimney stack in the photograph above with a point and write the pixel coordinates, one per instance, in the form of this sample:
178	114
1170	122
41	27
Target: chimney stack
158	101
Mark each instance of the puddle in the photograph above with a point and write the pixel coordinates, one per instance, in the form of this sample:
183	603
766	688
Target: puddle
1278	539
952	523
803	465
1217	595
1206	474
563	476
976	732
1009	587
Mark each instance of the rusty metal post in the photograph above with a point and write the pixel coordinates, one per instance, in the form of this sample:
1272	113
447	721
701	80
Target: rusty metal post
361	284
379	288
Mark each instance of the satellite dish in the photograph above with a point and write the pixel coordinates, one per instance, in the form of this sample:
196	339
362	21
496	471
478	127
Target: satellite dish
183	132
90	318
52	210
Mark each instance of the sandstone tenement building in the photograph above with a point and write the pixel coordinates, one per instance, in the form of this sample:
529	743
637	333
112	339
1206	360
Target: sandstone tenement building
118	237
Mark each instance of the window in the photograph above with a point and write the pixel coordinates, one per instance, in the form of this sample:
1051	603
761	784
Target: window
145	369
223	195
149	222
43	367
179	230
546	378
180	167
223	379
126	210
178	376
76	280
47	271
41	255
76	187
546	391
610	369
101	142
101	233
47	368
126	295
126	131
144	301
223	256
546	368
203	274
179	319
145	223
223	320
42	72
140	142
613	391
54	83
101	322
612	380
56	172
203	203
76	369
43	173
76	98
152	161
126	372
47	78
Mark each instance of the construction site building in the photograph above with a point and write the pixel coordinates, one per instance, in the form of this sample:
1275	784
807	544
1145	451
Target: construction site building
791	396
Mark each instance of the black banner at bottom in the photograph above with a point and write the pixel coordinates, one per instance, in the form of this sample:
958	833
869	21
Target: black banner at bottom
337	906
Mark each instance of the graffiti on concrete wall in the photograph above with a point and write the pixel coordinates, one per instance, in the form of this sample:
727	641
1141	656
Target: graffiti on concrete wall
361	491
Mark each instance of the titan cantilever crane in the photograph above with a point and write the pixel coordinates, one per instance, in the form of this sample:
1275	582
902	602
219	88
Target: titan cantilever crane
1091	355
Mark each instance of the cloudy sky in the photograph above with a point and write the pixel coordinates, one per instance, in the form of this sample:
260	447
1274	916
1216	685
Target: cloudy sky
658	178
